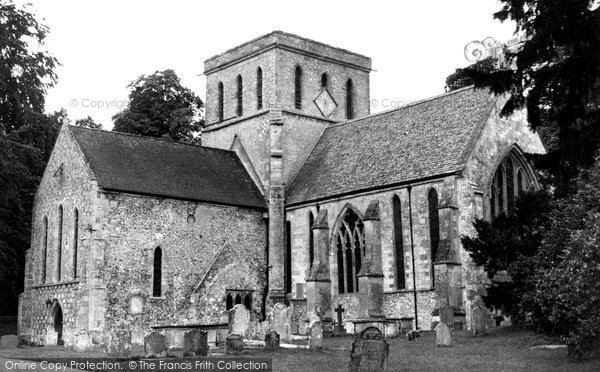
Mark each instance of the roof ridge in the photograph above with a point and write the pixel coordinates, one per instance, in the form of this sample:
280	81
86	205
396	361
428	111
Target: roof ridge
139	136
412	104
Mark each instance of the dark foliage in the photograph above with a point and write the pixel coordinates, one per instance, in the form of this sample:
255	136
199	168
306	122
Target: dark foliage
159	106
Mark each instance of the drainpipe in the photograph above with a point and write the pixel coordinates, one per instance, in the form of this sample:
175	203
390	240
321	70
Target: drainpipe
412	253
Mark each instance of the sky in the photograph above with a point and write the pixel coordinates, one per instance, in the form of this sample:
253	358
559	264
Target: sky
104	45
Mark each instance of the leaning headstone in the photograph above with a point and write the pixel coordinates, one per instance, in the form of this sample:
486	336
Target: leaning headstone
239	320
155	345
119	344
9	342
234	344
443	336
315	337
478	321
369	352
195	343
281	321
272	341
447	316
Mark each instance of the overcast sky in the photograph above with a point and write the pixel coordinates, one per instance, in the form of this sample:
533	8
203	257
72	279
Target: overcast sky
103	45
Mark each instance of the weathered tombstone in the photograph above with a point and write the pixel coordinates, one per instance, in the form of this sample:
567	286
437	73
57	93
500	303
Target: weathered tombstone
443	336
195	343
447	316
478	320
281	319
119	344
369	352
315	336
9	342
224	317
155	345
239	320
272	341
234	344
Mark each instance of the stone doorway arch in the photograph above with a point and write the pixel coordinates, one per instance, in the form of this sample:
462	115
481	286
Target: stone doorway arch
54	331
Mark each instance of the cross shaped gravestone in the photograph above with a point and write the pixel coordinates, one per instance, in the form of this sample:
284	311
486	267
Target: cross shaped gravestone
339	310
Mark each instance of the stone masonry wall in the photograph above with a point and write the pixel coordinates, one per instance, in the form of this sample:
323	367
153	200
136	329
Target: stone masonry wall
497	136
254	134
228	76
209	247
67	181
398	301
312	70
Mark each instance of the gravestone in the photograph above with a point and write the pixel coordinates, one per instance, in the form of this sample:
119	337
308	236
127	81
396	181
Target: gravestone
281	321
234	344
339	328
443	337
239	320
447	316
224	317
119	344
315	337
478	320
272	341
9	342
369	352
195	343
155	345
255	331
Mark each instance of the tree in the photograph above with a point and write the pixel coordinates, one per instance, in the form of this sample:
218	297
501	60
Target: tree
463	77
88	122
26	70
567	289
27	136
510	243
159	106
555	74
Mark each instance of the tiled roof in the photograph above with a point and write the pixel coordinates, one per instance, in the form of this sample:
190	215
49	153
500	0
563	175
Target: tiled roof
152	166
426	139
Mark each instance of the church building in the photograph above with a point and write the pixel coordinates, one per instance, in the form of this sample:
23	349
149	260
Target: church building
297	195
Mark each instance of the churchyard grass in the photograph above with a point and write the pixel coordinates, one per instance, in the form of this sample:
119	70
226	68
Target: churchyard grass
500	350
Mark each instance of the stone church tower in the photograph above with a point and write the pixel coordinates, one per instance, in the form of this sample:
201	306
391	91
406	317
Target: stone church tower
270	100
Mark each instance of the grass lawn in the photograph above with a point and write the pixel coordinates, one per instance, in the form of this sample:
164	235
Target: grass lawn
502	350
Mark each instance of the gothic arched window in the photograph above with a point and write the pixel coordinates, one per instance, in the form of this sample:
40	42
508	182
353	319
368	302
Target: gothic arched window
157	277
298	88
259	88
349	99
45	250
75	242
512	177
350	244
60	243
311	243
240	96
220	108
434	228
398	244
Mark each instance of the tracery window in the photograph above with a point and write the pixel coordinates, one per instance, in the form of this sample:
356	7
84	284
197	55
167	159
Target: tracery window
512	177
350	244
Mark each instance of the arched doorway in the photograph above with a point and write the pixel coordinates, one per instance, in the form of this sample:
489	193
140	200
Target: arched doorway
57	323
